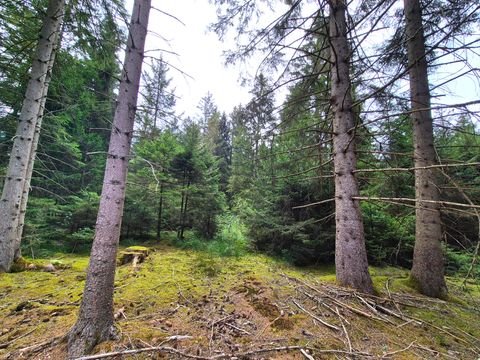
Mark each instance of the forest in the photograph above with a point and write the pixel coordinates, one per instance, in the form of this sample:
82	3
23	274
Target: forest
335	214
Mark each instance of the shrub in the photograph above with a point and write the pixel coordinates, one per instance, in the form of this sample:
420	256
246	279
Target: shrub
231	238
459	262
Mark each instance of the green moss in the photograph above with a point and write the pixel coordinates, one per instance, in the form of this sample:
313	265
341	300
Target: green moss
19	265
136	248
328	278
182	292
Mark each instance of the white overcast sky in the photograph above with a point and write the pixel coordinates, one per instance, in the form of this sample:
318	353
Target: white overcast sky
200	57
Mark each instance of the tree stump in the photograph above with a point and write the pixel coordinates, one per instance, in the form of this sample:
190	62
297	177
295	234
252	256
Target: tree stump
134	255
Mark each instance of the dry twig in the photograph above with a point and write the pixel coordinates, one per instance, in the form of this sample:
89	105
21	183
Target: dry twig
330	326
8	343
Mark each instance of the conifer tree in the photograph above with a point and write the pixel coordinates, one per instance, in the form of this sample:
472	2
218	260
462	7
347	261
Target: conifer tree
207	109
95	320
157	110
14	187
350	253
428	268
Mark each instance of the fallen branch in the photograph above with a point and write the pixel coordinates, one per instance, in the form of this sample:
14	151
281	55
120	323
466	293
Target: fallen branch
330	326
43	345
7	344
390	296
307	355
386	355
355	310
166	349
345	331
237	328
171	350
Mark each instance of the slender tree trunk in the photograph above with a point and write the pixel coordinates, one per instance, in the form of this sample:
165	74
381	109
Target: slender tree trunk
33	151
428	267
272	162
160	208
350	253
184	216
179	231
95	319
13	189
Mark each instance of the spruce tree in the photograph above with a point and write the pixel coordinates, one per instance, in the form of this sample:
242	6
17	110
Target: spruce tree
428	267
14	187
95	320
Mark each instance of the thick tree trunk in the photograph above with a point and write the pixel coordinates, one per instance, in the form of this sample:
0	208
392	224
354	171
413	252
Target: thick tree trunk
350	253
428	268
33	151
13	189
95	320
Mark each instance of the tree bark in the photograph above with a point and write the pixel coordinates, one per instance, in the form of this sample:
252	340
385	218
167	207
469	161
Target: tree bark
14	186
428	268
95	319
33	152
350	253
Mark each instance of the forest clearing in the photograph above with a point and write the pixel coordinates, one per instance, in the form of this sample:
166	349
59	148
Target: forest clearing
191	304
232	179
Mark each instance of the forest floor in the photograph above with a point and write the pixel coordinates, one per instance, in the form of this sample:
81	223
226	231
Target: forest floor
184	304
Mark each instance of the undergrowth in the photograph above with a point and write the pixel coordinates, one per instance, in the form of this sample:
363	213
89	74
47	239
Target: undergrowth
209	298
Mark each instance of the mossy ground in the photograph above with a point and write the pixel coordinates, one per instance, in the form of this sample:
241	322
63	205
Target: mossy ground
231	305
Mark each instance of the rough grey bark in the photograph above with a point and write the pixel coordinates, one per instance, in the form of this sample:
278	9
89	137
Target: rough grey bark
350	254
95	319
33	151
428	267
13	189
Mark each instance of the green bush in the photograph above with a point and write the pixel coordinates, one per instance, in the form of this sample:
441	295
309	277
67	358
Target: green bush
389	237
231	238
459	262
81	238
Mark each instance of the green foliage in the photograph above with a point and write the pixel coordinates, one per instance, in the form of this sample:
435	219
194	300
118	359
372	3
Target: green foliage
43	225
220	185
460	262
81	238
67	225
389	238
231	238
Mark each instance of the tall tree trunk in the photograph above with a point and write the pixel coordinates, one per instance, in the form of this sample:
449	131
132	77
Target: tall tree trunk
33	151
428	267
160	209
350	253
13	189
95	319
